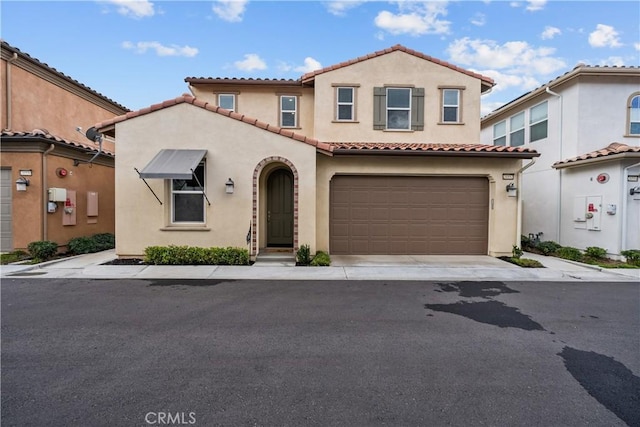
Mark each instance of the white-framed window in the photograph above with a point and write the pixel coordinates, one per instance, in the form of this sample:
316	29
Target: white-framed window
227	101
634	115
398	108
538	122
516	130
288	111
187	198
500	133
451	105
345	104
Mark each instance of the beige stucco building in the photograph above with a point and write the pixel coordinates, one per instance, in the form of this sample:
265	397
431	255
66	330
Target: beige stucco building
41	110
376	155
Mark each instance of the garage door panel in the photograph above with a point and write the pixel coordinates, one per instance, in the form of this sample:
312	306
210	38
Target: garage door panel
409	215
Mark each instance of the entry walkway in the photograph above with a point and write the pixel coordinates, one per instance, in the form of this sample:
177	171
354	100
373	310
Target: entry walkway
442	268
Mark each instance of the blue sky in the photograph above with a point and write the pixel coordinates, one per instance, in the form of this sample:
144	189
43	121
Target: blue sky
138	53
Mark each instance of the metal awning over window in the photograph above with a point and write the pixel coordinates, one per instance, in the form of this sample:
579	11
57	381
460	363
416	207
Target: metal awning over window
173	164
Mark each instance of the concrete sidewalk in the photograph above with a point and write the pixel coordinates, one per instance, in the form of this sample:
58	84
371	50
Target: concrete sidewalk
454	268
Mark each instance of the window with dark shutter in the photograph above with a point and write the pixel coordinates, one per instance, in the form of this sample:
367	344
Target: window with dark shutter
381	110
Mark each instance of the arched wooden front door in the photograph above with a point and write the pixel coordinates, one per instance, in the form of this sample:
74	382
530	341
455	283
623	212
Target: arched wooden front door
280	208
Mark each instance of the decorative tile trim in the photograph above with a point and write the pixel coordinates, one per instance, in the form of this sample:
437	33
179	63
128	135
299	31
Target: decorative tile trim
257	172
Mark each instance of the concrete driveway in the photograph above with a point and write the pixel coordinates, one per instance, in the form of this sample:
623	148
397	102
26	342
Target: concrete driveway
456	261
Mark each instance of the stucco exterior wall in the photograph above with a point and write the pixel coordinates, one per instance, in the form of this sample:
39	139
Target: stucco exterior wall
234	150
396	68
503	209
263	102
29	207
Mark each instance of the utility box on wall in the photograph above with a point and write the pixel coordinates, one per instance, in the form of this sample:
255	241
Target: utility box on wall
57	194
594	212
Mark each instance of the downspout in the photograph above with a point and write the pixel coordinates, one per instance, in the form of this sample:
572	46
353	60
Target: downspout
519	201
559	208
625	208
8	91
45	191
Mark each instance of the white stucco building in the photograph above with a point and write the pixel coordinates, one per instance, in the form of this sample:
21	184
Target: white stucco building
584	188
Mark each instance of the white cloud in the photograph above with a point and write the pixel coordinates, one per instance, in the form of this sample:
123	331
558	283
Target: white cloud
515	55
614	61
550	32
415	18
251	62
230	10
310	64
637	46
340	7
536	5
479	19
133	8
604	36
160	49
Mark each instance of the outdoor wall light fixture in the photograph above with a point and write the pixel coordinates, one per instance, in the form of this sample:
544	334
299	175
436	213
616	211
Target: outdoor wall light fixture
512	190
22	183
229	186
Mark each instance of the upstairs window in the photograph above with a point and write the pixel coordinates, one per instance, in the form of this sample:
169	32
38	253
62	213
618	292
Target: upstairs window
288	111
451	106
187	199
345	104
634	115
516	126
538	122
227	101
500	133
398	108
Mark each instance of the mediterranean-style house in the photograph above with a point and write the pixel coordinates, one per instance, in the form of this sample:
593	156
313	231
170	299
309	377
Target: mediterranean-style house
584	189
57	184
376	155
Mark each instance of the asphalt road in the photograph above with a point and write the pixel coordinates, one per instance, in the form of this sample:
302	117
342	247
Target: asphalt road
339	353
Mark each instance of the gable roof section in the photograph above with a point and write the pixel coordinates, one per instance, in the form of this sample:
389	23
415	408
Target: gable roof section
578	70
308	78
44	135
108	125
613	151
46	72
487	82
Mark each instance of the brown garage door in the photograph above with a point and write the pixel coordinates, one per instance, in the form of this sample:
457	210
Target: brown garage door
409	215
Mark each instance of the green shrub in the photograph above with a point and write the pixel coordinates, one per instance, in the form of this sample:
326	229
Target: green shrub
42	250
567	252
548	247
527	262
595	252
526	242
516	252
193	255
632	256
104	241
303	255
14	256
81	245
321	259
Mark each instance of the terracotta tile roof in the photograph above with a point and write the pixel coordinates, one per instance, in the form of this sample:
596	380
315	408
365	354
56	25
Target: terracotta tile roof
8	48
578	70
188	99
242	81
44	134
431	149
613	149
310	76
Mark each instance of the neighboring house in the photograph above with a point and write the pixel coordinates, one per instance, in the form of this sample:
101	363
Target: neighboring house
584	189
41	111
377	155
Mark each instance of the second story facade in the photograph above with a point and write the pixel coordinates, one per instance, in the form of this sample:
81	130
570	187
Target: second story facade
395	95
